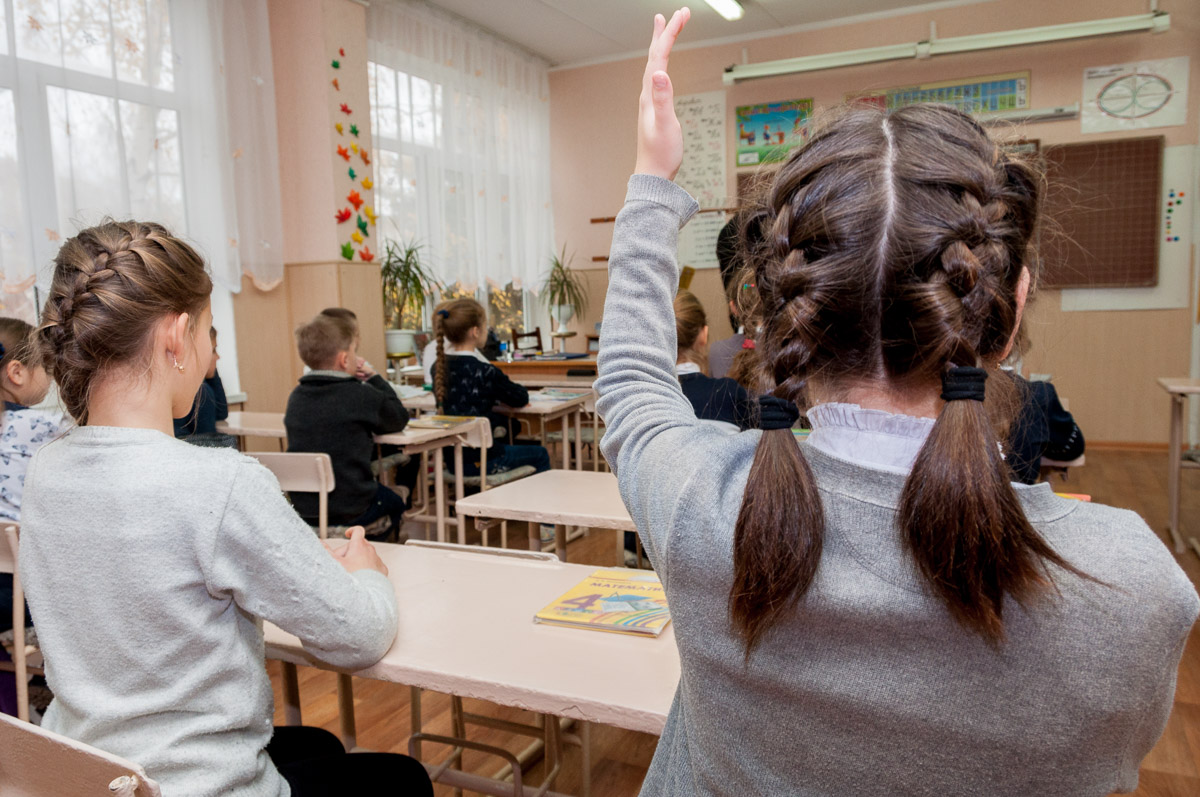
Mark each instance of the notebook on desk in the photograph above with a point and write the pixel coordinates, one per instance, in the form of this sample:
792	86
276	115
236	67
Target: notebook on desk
574	355
438	421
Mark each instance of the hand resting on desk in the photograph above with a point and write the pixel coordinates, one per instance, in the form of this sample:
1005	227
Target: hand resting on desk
357	554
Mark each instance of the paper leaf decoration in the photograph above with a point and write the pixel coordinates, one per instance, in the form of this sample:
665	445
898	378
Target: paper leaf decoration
366	254
369	213
345	153
357	237
354	130
354	199
362	225
342	52
368	183
346	109
336	87
51	235
338	127
343	215
351	172
34	23
336	64
362	153
348	250
353	147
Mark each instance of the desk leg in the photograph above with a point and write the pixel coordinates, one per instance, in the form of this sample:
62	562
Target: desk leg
291	695
535	536
439	492
345	695
414	710
1174	467
620	548
542	427
578	439
566	443
560	541
458	492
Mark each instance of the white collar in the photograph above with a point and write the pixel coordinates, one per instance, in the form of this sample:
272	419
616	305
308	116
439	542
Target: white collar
875	438
686	368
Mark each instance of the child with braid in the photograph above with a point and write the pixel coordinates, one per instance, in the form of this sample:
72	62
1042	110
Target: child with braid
879	610
149	563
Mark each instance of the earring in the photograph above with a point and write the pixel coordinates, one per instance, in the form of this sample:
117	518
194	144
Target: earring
177	365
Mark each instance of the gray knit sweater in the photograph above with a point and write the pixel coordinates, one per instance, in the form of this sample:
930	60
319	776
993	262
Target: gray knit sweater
147	563
870	688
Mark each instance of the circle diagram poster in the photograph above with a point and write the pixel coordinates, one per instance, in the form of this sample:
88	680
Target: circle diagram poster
1135	96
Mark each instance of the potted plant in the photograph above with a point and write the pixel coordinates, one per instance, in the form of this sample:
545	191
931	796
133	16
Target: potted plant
406	283
563	292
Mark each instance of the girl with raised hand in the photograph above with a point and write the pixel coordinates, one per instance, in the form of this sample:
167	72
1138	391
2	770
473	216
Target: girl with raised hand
149	563
878	611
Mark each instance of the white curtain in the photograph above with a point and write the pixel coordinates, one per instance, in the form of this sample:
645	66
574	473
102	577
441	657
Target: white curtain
122	108
461	129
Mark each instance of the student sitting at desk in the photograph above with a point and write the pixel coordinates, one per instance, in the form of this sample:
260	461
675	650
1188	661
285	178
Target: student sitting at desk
473	386
878	610
338	409
429	355
1043	428
713	399
200	424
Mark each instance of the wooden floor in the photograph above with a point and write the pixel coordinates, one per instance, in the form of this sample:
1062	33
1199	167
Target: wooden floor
1130	479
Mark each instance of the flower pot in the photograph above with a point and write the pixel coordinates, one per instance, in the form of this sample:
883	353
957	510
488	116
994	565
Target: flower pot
400	341
563	313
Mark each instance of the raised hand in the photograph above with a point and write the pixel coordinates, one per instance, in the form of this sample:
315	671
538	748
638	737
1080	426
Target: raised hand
660	140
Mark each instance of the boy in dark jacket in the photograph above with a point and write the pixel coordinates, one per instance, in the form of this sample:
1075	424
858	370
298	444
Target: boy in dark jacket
337	409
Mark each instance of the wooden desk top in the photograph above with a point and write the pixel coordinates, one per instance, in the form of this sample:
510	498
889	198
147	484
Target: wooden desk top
563	497
270	424
518	368
253	424
1180	384
428	403
466	628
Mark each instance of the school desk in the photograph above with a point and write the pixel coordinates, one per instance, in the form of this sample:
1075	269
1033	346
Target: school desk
466	629
475	433
544	368
1179	390
562	497
538	414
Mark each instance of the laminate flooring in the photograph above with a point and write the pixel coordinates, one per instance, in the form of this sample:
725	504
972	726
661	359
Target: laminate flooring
1134	480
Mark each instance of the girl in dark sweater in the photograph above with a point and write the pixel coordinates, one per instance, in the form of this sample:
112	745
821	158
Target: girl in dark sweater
465	385
722	400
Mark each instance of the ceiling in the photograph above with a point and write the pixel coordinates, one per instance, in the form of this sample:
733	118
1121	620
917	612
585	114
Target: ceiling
569	32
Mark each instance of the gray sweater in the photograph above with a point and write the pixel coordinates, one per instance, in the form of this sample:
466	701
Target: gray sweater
147	563
870	688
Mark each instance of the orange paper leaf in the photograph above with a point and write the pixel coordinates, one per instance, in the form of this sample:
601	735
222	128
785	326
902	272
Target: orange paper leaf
345	153
366	254
354	199
362	153
335	85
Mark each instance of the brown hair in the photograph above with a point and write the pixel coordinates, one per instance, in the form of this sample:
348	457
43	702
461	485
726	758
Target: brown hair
112	283
344	316
690	321
19	342
892	250
321	340
454	320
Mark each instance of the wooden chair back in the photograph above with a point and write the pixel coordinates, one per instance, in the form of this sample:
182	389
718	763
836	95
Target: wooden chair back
303	473
38	763
527	341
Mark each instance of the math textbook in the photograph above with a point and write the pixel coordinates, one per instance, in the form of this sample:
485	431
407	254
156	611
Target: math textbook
438	421
620	601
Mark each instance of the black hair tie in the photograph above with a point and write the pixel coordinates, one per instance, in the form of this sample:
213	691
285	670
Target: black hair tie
776	413
3	351
444	313
963	382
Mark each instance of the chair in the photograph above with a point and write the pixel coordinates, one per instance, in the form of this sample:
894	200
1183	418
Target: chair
310	473
35	762
21	651
527	341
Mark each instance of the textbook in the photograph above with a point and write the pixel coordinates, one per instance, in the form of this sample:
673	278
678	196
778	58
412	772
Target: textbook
621	601
556	394
438	421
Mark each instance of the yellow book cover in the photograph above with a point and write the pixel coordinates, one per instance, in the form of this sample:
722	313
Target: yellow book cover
438	421
622	601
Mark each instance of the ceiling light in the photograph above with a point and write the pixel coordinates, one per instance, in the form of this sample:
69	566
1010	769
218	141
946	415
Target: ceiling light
730	9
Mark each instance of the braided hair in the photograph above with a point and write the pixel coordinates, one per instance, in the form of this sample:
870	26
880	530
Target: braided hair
111	285
892	249
452	320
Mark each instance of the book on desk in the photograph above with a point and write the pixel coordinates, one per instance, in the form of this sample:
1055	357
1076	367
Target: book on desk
556	394
617	600
438	421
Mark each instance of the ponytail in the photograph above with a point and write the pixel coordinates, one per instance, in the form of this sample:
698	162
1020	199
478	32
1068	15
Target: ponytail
441	368
963	525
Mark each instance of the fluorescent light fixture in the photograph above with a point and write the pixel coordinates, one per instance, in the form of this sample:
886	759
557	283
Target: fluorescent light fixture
730	9
1155	22
1056	113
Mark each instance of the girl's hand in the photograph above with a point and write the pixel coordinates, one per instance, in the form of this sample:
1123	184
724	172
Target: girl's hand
358	554
660	139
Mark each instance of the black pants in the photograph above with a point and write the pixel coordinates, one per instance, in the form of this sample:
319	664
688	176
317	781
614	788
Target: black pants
315	764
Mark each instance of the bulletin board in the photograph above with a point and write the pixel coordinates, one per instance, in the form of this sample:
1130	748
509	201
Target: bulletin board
1103	207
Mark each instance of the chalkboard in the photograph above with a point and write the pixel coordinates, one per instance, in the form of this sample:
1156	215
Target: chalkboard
1101	214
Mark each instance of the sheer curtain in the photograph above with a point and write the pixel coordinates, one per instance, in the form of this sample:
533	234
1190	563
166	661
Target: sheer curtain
461	124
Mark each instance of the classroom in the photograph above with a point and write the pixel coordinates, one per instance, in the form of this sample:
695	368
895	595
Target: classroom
322	328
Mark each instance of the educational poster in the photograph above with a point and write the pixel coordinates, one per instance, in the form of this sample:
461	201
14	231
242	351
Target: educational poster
702	118
1006	92
767	131
1135	96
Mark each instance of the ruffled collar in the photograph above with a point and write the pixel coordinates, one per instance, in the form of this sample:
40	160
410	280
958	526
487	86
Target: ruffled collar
875	438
